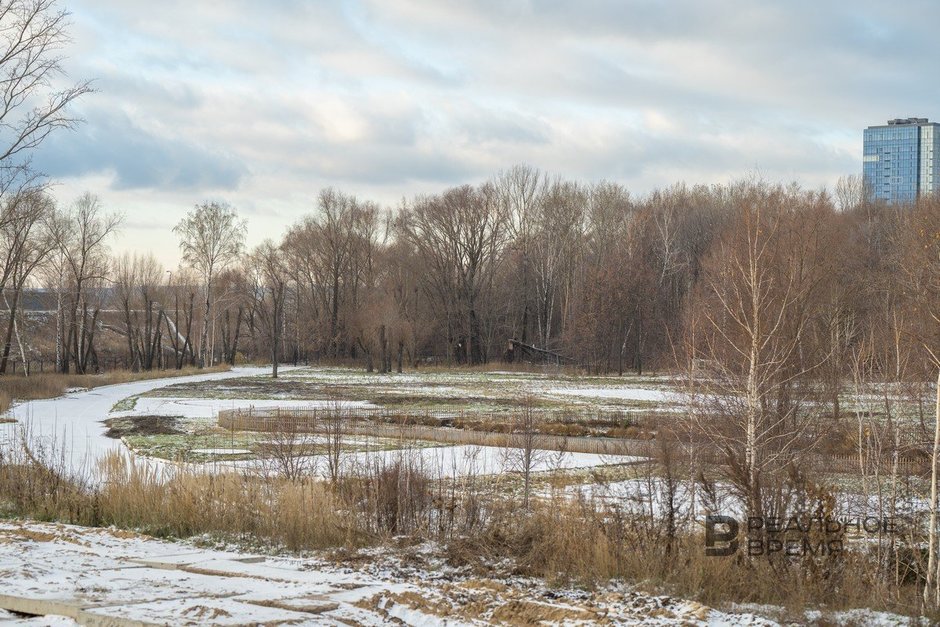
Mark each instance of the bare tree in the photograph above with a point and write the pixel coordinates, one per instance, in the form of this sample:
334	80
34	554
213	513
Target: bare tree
211	238
80	235
32	36
756	305
398	283
182	290
520	190
232	304
25	245
138	290
22	221
608	251
850	192
920	271
460	237
271	291
336	233
334	432
525	450
291	446
558	234
332	255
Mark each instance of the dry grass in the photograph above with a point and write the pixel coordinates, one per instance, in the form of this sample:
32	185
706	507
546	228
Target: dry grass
587	543
296	515
476	521
443	367
50	385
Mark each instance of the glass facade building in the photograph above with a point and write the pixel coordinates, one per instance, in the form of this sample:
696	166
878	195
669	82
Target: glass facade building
901	160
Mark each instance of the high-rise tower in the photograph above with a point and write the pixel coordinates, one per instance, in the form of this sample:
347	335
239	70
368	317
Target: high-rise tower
901	160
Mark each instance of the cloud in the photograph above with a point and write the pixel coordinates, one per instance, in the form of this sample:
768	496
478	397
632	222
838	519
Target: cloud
265	103
110	141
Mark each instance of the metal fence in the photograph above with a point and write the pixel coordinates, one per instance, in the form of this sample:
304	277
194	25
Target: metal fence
40	366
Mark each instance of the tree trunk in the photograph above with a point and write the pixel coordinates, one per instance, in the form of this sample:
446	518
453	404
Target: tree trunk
59	324
383	349
78	337
130	334
204	341
474	337
932	537
334	317
89	343
639	343
238	330
8	341
276	330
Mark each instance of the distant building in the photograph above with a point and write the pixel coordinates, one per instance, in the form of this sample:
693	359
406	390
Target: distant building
901	160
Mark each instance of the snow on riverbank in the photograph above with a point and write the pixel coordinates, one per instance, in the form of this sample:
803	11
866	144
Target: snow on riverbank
71	429
71	426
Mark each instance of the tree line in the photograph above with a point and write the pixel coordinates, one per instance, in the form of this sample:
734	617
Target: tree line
584	272
523	266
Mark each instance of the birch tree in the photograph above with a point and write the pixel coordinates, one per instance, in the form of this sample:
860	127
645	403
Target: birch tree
521	190
751	327
920	269
211	238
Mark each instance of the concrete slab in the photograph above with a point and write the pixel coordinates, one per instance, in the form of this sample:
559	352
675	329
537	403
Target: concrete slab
40	607
305	604
317	580
175	560
191	611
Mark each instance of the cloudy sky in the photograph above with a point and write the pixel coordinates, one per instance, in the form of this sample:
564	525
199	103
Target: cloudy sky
260	104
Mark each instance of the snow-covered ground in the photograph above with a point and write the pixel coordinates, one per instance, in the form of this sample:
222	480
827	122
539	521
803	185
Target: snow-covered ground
71	431
72	424
559	390
79	575
93	575
68	575
445	462
464	460
621	393
648	495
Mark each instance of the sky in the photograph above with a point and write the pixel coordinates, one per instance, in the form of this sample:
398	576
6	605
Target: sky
262	104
